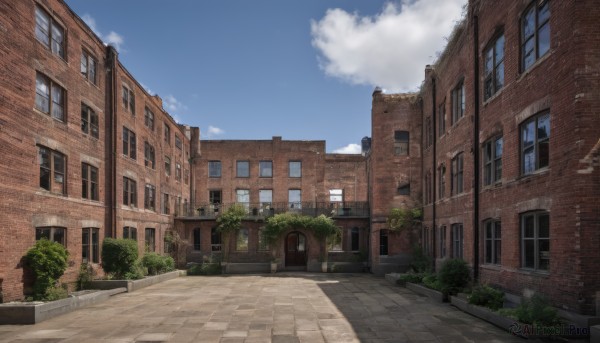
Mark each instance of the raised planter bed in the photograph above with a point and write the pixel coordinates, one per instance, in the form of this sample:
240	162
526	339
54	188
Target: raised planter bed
133	285
35	312
428	292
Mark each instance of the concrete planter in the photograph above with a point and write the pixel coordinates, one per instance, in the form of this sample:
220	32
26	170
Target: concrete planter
132	285
32	313
324	267
428	292
273	267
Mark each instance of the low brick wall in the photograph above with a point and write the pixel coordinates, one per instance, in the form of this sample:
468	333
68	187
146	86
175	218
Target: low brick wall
133	285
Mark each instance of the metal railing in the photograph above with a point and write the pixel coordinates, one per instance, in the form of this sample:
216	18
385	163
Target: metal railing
262	210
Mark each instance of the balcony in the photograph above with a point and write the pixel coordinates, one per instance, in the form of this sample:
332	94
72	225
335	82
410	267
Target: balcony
358	209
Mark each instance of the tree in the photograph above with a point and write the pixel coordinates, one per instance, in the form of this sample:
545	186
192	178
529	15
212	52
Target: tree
228	223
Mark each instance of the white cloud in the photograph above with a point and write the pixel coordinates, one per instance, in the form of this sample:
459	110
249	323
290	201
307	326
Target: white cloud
349	149
390	49
213	131
172	104
111	38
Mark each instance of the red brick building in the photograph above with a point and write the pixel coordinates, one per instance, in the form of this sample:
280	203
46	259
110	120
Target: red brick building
62	134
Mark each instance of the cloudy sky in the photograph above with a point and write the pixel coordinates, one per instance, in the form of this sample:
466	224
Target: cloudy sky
301	69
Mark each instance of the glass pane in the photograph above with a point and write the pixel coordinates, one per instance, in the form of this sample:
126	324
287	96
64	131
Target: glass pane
498	171
497	230
544	154
529	23
243	169
499	50
266	169
85	248
243	195
528	161
488	251
42	233
92	69
42	22
84	65
544	13
528	53
498	251
529	226
544	254
543	128
242	240
59	163
498	147
543	226
95	250
528	134
45	178
294	195
489	61
487	174
500	76
544	39
528	254
265	195
488	87
295	169
487	152
59	236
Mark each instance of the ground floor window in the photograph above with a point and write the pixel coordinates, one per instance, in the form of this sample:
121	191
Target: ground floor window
492	236
241	242
383	242
215	239
197	239
457	240
262	242
535	240
130	233
89	245
51	233
149	239
442	241
355	239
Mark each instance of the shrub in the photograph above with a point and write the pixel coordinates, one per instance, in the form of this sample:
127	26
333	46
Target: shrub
119	256
48	261
454	276
56	293
410	277
157	264
487	296
420	262
204	269
138	271
431	281
86	275
537	311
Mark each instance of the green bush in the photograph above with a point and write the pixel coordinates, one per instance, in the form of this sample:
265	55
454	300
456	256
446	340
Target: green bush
487	296
48	261
420	262
56	293
454	276
119	256
138	271
410	277
86	275
431	281
537	311
157	264
204	269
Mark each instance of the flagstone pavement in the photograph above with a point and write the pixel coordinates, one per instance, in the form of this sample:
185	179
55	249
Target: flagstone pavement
284	307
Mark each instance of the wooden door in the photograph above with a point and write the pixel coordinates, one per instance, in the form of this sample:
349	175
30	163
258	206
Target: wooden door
295	250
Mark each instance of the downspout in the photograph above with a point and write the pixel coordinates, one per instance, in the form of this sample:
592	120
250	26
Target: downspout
476	148
434	174
111	85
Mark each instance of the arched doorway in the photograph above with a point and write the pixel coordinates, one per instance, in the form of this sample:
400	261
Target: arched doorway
295	250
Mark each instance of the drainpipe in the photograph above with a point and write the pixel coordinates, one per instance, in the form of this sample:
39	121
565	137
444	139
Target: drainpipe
434	173
111	95
476	148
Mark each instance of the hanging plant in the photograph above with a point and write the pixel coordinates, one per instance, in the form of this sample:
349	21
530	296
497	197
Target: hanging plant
400	219
321	226
228	223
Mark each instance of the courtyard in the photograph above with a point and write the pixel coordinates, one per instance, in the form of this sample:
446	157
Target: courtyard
285	307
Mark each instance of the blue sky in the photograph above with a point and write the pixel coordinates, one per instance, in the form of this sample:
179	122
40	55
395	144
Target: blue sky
300	69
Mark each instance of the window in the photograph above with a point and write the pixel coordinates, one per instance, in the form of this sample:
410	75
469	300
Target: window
442	119
52	170
355	239
49	97
492	161
128	100
214	196
215	239
535	240
265	196
51	233
178	143
130	233
214	169
456	186
242	196
129	146
129	192
383	242
262	242
241	242
457	240
197	239
88	66
178	171
492	236
442	241
535	143
149	197
49	32
89	121
89	245
186	176
89	182
149	159
295	199
167	166
295	169
242	169
334	243
428	133
401	140
166	207
167	242
149	118
428	188
404	189
150	240
336	195
265	168
458	102
167	132
494	68
535	33
442	182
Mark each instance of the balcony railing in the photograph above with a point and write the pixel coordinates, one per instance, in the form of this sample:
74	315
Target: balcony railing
262	210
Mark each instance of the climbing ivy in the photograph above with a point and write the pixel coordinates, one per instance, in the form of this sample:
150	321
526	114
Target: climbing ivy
321	226
400	219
